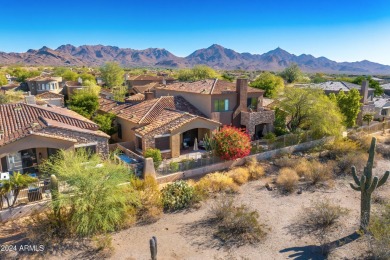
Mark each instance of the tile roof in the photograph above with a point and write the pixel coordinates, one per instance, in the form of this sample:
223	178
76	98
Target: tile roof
386	86
19	120
207	86
149	110
40	78
148	78
382	102
174	119
49	95
335	86
146	87
111	106
136	97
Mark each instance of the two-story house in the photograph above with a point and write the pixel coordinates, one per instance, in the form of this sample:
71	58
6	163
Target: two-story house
40	85
225	102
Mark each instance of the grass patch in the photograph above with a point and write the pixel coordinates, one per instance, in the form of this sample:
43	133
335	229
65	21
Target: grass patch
287	179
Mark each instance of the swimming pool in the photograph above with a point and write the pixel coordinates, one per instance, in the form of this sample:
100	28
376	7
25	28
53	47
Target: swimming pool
127	159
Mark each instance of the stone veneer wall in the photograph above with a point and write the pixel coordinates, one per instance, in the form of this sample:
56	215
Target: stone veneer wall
251	119
82	138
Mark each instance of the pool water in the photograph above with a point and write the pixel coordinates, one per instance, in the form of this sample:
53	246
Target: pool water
127	159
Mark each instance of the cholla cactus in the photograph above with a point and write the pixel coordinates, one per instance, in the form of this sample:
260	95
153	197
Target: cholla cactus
366	185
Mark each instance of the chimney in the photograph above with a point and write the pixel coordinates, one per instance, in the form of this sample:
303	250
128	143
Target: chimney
364	92
242	94
149	95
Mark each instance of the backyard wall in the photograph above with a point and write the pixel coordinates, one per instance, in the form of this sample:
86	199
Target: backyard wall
201	171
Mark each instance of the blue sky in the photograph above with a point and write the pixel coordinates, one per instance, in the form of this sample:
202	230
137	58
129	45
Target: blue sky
339	30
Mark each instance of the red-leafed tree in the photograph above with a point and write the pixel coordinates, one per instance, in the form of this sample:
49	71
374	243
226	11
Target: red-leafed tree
231	143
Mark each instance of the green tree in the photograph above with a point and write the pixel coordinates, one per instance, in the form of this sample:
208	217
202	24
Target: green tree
120	93
84	102
11	96
318	78
22	74
70	75
372	84
97	203
86	76
349	105
3	79
292	73
270	83
311	109
280	122
198	72
4	99
155	154
368	118
112	74
105	123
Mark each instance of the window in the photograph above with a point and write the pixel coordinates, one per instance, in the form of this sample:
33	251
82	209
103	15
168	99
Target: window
138	142
119	127
251	103
384	112
221	105
162	143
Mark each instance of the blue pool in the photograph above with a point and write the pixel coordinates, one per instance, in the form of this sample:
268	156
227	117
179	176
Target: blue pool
127	159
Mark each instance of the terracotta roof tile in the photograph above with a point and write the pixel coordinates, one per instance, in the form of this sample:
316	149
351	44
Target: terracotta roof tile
136	97
207	87
19	120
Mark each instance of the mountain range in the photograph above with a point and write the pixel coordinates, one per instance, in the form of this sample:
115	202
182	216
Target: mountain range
215	56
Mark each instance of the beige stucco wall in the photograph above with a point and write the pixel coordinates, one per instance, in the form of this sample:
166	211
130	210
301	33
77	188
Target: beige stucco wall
33	141
128	134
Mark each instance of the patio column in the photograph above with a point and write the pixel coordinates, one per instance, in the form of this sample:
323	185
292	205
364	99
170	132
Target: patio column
175	145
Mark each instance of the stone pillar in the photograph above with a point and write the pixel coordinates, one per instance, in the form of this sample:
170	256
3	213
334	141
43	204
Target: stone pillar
149	169
175	145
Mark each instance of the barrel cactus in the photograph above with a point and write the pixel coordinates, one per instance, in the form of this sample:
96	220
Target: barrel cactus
366	184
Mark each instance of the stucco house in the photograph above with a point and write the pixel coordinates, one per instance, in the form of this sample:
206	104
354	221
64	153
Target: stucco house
226	102
31	133
168	123
40	85
142	83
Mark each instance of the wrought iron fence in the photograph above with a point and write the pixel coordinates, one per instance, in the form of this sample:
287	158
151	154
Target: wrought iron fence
187	162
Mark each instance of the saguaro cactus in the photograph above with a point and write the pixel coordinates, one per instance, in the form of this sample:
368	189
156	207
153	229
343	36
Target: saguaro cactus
54	193
153	247
366	185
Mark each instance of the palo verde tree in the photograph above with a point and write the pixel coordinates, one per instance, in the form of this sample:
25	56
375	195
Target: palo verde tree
270	83
305	109
198	72
112	74
367	184
85	102
349	104
292	73
96	203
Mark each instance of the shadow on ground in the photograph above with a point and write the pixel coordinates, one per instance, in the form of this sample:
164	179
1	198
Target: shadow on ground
318	252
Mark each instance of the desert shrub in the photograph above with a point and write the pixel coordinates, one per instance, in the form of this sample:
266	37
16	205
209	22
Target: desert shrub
285	161
240	175
345	163
384	150
150	207
103	243
321	215
256	171
379	234
177	195
155	154
287	179
271	137
173	166
319	172
302	166
387	141
215	182
236	224
364	142
340	147
231	143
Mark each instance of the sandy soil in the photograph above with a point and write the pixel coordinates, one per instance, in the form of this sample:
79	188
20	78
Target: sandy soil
187	234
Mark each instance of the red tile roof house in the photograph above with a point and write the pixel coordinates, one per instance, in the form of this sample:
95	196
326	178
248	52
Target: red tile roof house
168	123
31	133
228	103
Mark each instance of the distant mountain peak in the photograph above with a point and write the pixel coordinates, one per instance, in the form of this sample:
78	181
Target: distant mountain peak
215	56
